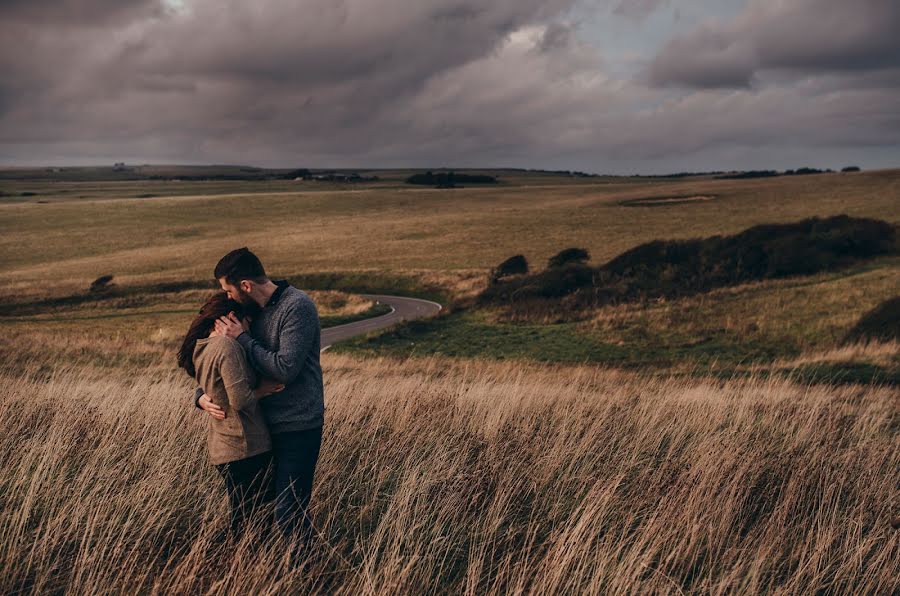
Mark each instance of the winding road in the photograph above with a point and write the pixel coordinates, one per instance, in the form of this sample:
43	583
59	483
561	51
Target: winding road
402	309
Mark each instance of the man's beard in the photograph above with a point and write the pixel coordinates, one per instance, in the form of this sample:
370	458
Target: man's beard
248	304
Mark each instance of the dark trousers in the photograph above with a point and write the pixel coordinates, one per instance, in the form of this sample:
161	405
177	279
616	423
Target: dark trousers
249	485
296	454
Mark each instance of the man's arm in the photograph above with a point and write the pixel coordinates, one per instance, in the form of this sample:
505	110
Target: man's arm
295	342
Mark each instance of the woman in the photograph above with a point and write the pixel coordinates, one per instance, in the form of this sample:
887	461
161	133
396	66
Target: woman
239	445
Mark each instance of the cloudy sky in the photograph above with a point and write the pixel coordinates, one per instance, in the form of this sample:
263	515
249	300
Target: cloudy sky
621	86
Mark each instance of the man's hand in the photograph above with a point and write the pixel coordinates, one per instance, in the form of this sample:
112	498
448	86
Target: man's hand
231	326
268	386
210	408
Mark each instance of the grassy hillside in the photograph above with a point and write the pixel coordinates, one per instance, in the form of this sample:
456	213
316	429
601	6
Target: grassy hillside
462	477
761	326
729	441
441	244
404	228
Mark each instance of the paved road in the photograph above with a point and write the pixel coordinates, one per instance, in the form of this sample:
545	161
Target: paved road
404	309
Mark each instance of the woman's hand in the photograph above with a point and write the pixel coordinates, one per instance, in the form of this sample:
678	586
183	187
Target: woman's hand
206	403
268	386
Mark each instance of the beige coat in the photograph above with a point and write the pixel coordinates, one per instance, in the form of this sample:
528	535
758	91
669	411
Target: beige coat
225	376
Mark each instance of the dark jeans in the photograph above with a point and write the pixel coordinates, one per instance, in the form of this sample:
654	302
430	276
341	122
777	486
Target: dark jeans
249	485
296	454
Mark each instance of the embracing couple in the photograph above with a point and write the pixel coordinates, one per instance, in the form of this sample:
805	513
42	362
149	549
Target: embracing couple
254	352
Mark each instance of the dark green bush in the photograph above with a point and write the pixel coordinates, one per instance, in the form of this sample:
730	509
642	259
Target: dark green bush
569	255
565	280
551	283
102	283
760	252
516	265
673	268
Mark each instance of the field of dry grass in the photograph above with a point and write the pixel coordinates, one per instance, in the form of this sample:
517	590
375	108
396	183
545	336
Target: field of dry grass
463	476
402	229
141	329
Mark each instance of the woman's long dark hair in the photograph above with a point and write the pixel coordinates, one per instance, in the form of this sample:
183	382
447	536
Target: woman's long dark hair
218	305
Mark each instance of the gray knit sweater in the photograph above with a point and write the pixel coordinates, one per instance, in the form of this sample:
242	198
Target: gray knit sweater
283	344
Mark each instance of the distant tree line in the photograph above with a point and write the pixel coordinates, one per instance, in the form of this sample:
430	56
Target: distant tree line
682	175
254	174
449	179
337	177
573	173
209	177
774	173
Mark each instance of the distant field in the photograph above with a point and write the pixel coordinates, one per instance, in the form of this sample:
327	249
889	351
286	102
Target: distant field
389	236
399	228
466	477
794	325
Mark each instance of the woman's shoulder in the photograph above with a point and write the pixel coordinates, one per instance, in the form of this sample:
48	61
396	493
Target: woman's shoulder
225	345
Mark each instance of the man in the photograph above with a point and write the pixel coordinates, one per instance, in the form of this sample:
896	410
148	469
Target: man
282	343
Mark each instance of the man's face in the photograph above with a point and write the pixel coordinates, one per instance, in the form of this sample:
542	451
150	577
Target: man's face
236	293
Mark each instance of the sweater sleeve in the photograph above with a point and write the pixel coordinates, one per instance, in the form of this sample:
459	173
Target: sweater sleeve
296	336
198	393
238	379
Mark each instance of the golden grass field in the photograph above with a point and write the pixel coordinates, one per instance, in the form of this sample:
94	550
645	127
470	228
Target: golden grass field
438	474
464	477
402	229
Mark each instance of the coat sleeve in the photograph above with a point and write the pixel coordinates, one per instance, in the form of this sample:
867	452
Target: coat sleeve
198	393
238	379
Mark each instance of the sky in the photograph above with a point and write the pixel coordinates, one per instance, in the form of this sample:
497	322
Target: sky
604	86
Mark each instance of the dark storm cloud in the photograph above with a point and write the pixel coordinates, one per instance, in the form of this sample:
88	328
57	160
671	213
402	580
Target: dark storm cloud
218	67
805	36
68	13
426	83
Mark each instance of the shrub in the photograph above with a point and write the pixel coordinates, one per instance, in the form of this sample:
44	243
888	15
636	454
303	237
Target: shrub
760	252
516	265
565	280
569	255
851	169
551	283
101	283
673	268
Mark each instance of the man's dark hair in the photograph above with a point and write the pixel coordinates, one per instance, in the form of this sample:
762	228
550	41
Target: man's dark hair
240	264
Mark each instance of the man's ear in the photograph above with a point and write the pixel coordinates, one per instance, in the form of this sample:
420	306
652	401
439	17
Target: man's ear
246	286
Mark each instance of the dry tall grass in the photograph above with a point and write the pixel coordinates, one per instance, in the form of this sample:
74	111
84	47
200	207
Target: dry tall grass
464	477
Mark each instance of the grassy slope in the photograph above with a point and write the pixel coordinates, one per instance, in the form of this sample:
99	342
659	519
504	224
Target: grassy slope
405	228
449	477
747	324
439	243
126	329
